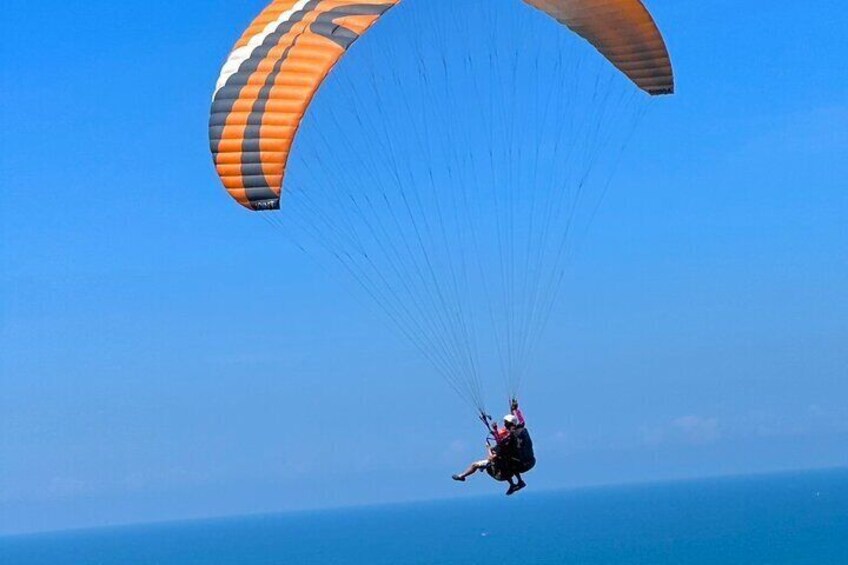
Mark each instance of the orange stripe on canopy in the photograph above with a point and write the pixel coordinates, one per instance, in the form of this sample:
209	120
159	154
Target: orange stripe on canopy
624	32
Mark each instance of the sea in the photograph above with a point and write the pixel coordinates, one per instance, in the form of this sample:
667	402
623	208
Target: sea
799	518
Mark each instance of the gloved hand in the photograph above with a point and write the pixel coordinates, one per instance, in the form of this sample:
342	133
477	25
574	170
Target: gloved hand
514	404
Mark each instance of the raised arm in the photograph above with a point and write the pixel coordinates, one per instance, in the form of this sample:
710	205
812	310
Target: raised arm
516	411
519	415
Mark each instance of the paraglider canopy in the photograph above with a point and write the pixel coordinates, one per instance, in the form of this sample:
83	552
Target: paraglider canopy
272	74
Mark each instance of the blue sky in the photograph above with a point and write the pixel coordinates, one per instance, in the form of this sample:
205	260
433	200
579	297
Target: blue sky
702	328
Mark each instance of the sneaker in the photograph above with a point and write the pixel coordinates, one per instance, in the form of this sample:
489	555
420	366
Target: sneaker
511	490
520	486
458	478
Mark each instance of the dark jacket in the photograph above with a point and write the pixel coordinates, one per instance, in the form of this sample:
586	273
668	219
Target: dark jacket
515	453
525	458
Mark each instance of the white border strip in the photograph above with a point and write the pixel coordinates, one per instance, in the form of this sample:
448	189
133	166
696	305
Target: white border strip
243	53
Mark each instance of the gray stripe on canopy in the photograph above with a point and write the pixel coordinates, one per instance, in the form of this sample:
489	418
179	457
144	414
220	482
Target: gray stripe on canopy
325	25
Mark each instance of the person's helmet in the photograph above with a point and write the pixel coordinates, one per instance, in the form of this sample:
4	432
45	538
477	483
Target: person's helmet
510	420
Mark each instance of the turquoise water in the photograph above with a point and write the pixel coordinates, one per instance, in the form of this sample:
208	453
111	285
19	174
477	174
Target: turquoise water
787	519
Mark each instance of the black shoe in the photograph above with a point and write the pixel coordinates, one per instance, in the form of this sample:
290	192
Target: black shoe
511	490
458	478
520	486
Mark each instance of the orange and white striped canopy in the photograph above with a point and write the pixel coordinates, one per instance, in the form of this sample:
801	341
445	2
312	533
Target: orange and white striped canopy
272	74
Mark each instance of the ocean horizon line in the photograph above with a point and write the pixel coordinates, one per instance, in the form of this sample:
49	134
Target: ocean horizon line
352	508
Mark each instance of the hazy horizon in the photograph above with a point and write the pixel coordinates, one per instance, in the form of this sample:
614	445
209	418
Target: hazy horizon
536	493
